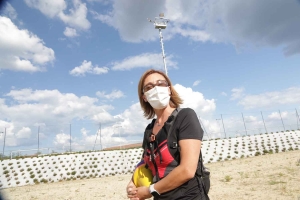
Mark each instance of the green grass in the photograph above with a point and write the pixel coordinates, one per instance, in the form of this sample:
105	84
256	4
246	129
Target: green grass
227	178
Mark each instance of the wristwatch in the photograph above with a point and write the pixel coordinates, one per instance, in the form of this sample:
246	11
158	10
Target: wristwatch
153	191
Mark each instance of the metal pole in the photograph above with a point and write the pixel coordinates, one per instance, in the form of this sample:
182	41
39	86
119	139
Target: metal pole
223	126
244	123
2	156
219	125
95	140
4	142
282	121
203	127
70	138
120	139
298	118
97	137
38	141
163	52
263	121
100	138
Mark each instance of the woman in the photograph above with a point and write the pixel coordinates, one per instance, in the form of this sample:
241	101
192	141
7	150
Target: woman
173	180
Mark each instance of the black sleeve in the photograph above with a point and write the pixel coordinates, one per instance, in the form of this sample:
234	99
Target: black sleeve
188	125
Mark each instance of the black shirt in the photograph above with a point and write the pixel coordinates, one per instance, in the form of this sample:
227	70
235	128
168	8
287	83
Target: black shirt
186	126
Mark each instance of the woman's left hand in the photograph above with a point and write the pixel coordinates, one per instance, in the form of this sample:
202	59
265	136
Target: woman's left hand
131	191
143	192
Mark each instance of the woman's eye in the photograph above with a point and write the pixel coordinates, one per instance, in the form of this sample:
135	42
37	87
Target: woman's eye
149	87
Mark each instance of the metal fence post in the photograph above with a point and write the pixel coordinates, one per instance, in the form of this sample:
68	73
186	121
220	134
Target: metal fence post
263	121
223	126
4	142
298	118
38	141
244	123
282	121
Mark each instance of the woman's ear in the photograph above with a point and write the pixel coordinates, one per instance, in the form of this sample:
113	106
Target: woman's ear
170	93
145	99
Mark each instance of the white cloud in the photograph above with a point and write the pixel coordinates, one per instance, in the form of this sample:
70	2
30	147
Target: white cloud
9	11
115	94
37	106
62	139
146	60
195	35
76	17
250	118
284	97
84	132
214	21
277	115
262	28
25	132
48	7
103	117
8	128
195	100
237	93
100	70
54	111
126	16
70	32
21	50
224	94
87	67
196	83
103	18
132	121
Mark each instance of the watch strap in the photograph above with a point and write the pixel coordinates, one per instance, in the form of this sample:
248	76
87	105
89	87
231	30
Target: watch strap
153	191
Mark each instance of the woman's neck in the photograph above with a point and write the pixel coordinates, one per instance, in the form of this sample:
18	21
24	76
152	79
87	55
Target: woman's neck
163	114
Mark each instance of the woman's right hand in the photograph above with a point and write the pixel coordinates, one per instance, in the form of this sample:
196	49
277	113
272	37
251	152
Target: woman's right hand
131	191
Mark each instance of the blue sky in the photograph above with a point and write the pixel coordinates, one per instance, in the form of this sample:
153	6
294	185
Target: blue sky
79	62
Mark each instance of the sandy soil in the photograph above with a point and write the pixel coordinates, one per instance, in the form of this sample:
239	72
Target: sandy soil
273	176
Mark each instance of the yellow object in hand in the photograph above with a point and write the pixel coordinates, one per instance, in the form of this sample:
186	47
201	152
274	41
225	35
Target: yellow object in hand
142	176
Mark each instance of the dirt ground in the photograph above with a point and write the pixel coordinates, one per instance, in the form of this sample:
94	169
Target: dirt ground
270	177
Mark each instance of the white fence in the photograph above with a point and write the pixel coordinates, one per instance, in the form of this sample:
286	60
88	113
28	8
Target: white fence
52	168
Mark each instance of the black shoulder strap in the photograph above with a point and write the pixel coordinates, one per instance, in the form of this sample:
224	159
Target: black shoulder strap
174	114
173	136
147	133
147	144
174	147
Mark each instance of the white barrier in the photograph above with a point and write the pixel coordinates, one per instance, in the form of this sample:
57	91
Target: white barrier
52	168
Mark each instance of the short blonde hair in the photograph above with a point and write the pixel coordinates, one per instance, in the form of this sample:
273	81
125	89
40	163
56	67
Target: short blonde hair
175	100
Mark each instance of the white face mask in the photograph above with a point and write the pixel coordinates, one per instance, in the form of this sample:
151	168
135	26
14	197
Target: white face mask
158	97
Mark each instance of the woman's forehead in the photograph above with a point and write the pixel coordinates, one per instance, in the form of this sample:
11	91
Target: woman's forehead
153	78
